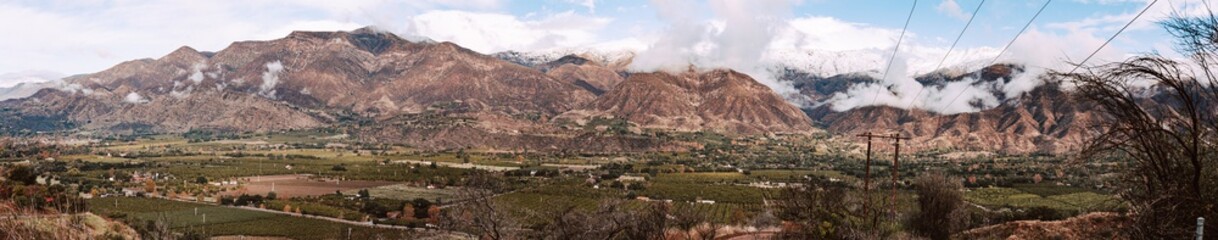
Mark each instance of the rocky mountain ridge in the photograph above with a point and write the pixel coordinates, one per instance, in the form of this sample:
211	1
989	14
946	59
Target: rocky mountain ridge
1041	120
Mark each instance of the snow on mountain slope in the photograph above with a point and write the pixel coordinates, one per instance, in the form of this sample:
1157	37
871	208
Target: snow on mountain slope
919	60
535	58
913	61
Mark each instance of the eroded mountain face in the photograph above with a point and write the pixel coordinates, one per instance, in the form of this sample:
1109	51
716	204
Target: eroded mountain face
716	100
365	79
1044	119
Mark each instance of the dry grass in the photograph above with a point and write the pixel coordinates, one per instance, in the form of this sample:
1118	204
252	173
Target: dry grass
23	224
1088	226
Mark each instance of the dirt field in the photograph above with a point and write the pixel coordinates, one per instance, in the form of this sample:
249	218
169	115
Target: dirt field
286	186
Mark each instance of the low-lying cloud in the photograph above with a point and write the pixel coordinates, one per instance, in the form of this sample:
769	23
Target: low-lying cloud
494	32
1037	51
135	98
736	37
270	79
902	91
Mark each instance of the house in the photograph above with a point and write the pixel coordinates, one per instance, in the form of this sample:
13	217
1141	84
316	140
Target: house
46	180
706	201
138	177
131	192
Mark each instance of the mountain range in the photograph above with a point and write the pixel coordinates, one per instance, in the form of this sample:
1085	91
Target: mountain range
383	88
1044	119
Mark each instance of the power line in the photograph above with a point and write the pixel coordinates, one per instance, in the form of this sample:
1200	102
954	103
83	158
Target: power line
1004	48
1025	28
896	49
949	52
1118	33
1135	18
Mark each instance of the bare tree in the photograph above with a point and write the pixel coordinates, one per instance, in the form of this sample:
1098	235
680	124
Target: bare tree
478	213
821	210
694	224
1160	115
940	206
613	219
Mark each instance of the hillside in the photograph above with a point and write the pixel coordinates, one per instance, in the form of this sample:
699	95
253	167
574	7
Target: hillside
718	100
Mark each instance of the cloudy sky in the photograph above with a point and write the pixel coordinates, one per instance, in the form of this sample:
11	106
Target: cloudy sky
50	38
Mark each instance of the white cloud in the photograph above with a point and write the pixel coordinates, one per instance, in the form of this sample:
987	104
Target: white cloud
1037	50
952	9
197	73
590	4
1042	49
1110	23
832	34
493	32
902	91
95	35
312	25
270	78
736	37
14	78
134	97
744	35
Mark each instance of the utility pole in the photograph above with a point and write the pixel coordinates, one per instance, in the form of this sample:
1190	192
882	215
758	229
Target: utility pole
895	167
867	180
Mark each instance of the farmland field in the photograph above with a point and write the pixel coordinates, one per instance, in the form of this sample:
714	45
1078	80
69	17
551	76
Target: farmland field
233	221
725	187
287	186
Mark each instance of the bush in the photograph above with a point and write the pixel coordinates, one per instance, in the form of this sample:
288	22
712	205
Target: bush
940	202
248	200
